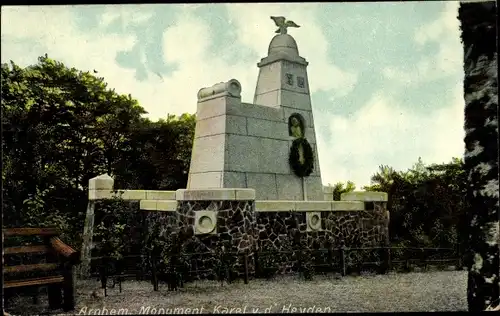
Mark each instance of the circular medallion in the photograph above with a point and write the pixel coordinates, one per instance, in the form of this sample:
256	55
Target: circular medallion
314	220
205	224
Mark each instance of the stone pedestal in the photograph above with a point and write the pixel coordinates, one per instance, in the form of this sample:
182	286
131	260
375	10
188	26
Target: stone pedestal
211	220
243	145
234	227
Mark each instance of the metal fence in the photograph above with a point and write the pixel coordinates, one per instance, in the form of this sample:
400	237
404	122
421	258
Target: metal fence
325	260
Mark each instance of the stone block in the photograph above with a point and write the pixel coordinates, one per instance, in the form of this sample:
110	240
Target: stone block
328	189
313	206
264	185
314	188
160	195
102	182
132	194
148	205
296	100
254	154
289	186
236	125
268	98
268	129
249	110
211	108
210	126
367	196
205	180
208	154
100	194
216	107
205	222
166	205
347	206
269	80
205	194
232	179
313	220
245	194
274	206
220	124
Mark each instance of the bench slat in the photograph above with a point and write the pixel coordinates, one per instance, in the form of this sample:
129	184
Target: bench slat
31	267
30	282
26	249
7	232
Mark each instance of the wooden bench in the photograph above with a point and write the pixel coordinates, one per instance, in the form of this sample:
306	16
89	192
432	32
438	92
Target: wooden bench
60	264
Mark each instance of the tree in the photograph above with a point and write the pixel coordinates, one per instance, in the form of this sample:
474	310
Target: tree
159	154
426	203
479	38
61	127
382	180
341	187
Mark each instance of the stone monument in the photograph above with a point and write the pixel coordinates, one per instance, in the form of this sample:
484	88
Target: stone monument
268	145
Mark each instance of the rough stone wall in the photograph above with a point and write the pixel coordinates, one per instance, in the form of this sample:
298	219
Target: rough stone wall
353	229
241	229
235	231
479	37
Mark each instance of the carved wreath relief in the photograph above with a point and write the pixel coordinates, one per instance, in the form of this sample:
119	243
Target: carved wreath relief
301	155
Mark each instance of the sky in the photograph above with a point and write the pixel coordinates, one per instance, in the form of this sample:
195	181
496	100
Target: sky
386	78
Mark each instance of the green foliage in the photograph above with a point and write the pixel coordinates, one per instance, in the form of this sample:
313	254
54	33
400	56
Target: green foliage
167	250
62	127
267	263
341	187
305	258
225	263
426	202
304	255
111	231
157	245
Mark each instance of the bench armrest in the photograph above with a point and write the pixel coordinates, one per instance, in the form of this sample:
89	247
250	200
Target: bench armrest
66	251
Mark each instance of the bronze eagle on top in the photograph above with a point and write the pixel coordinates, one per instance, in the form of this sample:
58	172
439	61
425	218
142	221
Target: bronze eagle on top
283	24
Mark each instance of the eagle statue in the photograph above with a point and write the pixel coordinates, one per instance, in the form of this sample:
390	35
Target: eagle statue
283	24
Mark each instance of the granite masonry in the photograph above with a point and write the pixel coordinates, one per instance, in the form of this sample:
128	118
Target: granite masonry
247	145
242	195
211	218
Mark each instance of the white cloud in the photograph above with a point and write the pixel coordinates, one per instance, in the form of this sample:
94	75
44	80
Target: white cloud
444	32
127	14
382	132
255	30
54	32
380	127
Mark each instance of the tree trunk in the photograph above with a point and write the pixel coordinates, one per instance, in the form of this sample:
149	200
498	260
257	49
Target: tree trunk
478	24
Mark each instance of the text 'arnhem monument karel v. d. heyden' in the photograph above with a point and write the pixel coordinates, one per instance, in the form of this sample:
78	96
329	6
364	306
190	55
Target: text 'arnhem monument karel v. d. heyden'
268	145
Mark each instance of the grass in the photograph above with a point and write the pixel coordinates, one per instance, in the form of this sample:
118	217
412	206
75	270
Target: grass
394	292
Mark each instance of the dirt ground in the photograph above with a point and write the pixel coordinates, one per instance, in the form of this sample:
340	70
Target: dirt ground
410	292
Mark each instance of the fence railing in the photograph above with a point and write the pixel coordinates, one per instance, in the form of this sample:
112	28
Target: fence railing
335	260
